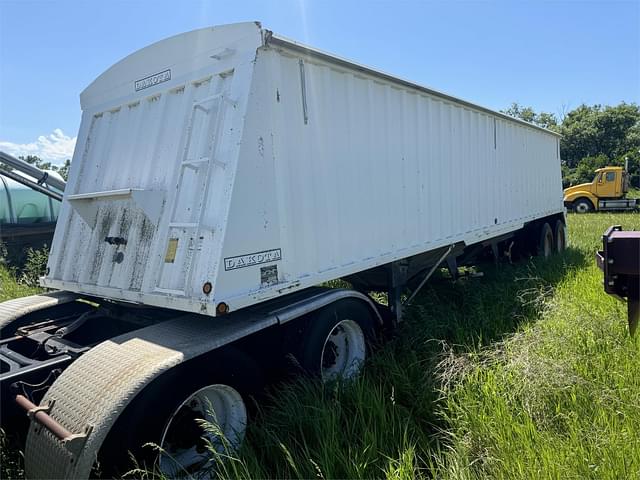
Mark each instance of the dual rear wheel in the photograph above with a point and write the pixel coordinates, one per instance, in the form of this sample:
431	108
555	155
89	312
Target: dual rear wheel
182	418
201	407
333	343
552	240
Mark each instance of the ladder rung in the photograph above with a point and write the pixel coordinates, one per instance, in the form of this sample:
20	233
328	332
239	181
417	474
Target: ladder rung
207	99
182	225
195	163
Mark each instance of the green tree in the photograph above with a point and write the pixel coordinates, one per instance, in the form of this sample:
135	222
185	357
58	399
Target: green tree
633	159
585	171
542	119
590	131
62	170
592	137
36	161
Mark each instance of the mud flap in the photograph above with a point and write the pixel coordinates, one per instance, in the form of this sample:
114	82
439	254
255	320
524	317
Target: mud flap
92	392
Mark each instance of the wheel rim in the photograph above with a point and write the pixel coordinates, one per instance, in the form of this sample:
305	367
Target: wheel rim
343	352
582	207
182	446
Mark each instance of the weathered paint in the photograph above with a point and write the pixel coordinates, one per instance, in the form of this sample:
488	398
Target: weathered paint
294	159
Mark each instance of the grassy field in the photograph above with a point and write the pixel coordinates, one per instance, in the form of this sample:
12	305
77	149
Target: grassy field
9	288
527	372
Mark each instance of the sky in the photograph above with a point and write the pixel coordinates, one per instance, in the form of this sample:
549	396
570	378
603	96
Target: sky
550	55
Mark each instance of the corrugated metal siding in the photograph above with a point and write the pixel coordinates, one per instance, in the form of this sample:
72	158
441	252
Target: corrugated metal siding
135	145
381	169
335	168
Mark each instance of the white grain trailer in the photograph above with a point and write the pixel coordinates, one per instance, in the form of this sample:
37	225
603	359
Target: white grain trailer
225	173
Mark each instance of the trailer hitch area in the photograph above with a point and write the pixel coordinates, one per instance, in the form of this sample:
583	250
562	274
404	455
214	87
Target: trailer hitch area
619	260
34	392
73	442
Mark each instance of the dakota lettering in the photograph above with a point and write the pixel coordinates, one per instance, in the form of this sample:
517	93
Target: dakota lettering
152	80
251	259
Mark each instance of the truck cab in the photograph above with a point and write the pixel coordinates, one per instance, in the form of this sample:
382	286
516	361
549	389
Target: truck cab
605	192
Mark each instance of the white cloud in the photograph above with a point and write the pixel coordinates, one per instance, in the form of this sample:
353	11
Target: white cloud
55	147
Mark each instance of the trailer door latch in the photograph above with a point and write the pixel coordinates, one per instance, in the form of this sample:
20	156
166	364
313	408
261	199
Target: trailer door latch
115	240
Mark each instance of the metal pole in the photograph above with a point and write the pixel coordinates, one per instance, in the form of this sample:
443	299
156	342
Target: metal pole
43	418
428	275
31	184
34	172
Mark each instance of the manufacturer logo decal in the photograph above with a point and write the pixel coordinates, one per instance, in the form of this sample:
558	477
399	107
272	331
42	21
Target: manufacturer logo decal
152	80
251	259
268	275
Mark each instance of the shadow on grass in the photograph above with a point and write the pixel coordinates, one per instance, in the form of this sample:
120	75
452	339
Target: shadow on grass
472	312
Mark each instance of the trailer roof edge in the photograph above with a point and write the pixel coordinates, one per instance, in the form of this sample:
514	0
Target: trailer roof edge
271	38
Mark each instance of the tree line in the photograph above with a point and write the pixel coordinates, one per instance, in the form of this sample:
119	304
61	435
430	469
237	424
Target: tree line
592	137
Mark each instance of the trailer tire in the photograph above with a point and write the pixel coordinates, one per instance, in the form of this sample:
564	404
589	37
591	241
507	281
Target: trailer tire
228	375
583	205
560	236
545	242
337	341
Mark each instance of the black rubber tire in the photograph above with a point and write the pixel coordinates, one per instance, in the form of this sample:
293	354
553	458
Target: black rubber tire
583	205
144	419
560	237
309	351
545	241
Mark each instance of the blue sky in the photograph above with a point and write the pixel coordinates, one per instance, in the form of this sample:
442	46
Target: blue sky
551	55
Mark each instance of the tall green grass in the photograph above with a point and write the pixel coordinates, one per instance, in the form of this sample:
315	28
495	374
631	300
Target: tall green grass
561	397
10	287
527	372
